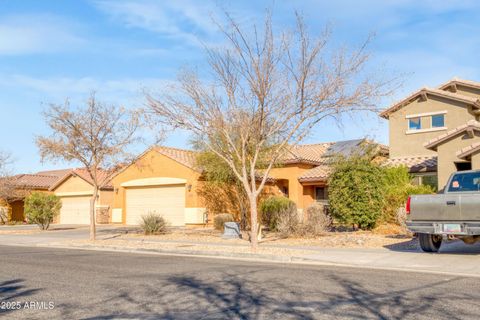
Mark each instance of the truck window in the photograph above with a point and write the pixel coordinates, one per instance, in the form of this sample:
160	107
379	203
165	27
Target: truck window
464	182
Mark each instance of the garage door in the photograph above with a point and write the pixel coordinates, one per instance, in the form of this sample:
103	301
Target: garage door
169	201
75	210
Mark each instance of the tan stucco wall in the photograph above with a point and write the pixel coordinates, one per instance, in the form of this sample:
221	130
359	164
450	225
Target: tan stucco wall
296	191
447	156
151	165
74	184
476	161
407	145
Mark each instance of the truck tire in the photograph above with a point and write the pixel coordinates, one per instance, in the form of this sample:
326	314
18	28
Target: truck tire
429	242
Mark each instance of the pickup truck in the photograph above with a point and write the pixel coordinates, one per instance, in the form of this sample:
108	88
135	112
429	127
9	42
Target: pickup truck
452	214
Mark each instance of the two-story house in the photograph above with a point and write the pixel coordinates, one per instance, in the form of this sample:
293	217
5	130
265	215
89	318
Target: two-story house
435	131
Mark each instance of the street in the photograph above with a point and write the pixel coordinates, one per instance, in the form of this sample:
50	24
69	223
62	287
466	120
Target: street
108	285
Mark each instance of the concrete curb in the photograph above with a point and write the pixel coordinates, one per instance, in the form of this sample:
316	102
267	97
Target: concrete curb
252	257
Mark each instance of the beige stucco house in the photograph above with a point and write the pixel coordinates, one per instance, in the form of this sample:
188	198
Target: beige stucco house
73	187
435	131
75	190
167	181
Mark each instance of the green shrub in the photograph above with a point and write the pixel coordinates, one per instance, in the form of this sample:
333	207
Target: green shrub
153	223
397	188
42	208
220	219
356	189
271	208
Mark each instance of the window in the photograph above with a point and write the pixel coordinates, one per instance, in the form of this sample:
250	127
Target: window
463	166
438	121
426	179
285	191
414	124
465	182
321	194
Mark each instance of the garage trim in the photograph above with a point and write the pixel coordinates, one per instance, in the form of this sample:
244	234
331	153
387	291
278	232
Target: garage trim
74	194
153	182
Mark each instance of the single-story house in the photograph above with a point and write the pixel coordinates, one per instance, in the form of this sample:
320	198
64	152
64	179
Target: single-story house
166	180
74	188
22	185
162	180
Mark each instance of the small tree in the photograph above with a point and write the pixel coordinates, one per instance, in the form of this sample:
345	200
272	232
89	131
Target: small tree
221	189
97	135
398	186
356	191
267	93
42	208
6	185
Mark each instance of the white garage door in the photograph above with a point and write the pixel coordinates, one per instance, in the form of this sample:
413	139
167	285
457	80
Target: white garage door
75	210
169	201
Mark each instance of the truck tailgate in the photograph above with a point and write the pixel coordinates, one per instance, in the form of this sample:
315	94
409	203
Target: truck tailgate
438	207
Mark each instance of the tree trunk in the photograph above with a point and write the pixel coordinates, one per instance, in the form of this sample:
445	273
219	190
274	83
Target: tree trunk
253	223
93	201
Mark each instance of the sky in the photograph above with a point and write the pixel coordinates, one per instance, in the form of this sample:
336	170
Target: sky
53	50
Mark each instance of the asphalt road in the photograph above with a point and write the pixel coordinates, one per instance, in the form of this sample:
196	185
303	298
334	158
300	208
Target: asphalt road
107	285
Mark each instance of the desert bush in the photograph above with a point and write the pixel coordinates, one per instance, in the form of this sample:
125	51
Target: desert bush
3	214
220	219
356	190
287	222
317	223
153	223
398	186
272	208
42	208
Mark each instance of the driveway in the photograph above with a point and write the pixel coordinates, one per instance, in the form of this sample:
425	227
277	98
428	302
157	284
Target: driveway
106	285
56	233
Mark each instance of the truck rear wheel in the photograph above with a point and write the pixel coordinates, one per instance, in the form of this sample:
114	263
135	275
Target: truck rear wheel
430	242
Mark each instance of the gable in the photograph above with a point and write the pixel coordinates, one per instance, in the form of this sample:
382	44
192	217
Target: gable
425	94
73	184
153	164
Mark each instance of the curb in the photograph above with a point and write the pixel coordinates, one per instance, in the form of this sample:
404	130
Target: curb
251	257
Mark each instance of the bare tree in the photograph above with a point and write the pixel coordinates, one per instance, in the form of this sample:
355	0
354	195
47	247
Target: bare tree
97	135
267	92
7	188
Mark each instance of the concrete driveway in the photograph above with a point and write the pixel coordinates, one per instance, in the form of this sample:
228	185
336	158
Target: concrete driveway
56	233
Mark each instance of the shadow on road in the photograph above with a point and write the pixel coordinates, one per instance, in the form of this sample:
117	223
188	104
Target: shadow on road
12	291
233	296
456	247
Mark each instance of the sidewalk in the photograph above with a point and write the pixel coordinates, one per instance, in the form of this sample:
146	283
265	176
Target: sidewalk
456	258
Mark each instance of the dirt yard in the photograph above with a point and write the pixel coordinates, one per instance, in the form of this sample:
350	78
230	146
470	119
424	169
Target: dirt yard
379	238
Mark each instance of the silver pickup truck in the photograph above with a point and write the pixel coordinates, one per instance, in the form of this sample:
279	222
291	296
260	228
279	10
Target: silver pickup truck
454	213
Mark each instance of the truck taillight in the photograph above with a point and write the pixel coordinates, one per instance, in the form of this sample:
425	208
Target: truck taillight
407	206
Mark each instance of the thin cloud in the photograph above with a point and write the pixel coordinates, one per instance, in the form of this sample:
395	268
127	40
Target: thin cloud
58	88
34	34
185	21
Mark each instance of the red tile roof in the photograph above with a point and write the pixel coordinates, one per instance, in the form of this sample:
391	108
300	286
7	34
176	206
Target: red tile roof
33	181
319	173
430	91
415	164
307	153
185	157
470	125
469	150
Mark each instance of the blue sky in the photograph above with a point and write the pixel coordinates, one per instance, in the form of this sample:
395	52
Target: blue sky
53	50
